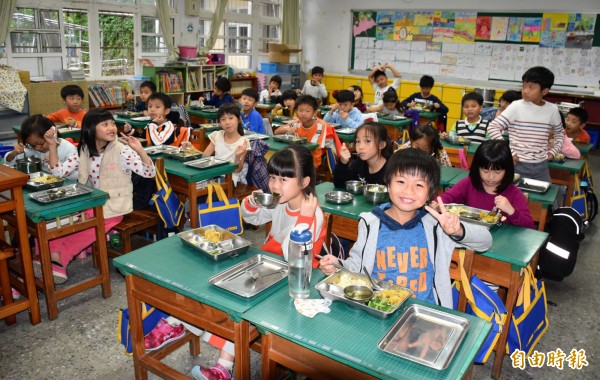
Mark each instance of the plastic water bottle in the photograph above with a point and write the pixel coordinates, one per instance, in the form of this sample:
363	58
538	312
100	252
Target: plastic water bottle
300	255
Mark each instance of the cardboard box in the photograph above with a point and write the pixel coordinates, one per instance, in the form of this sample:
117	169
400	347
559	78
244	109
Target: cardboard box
24	76
280	53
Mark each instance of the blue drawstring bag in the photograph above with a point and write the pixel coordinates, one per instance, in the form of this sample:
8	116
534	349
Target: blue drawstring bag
150	318
169	207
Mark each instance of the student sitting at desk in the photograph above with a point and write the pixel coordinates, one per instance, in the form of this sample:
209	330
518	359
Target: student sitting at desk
270	94
289	105
220	95
425	97
32	133
314	86
73	114
373	148
406	242
251	118
106	163
147	89
473	127
529	122
427	138
379	81
343	112
574	123
391	104
490	184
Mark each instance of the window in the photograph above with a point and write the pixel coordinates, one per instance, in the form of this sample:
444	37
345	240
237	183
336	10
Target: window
239	6
269	10
77	40
35	31
152	38
116	43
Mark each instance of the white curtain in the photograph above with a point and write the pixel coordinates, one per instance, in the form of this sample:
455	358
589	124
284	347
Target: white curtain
6	11
290	28
214	28
164	19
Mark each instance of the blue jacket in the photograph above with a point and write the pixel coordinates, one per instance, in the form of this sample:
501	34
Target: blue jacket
354	119
218	102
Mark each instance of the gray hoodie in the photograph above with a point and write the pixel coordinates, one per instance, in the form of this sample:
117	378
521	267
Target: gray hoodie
363	252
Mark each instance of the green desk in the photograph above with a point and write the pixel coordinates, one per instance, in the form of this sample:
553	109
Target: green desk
173	277
183	180
347	137
584	149
37	216
470	149
277	145
65	132
343	343
449	174
134	123
395	128
566	173
201	117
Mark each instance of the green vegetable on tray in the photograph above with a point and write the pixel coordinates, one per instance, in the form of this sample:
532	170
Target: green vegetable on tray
381	304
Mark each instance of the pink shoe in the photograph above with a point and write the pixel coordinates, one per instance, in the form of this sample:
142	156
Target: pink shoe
163	334
15	294
216	372
58	272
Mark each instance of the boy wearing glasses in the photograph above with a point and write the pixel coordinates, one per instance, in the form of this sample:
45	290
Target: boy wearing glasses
32	135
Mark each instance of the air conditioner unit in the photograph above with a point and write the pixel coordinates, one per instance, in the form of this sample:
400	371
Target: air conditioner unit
192	7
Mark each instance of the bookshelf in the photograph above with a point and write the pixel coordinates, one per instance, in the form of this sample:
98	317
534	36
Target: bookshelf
184	82
239	84
106	95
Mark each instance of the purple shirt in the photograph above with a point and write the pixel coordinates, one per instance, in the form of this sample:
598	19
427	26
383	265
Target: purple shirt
465	193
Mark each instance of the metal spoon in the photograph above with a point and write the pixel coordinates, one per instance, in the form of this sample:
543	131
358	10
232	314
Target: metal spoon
375	286
336	265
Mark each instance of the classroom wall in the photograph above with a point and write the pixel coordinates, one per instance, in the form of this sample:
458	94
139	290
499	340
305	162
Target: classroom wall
326	24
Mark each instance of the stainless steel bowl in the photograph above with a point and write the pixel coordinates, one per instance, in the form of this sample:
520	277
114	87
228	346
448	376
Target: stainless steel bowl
29	165
339	197
358	293
267	200
355	187
376	194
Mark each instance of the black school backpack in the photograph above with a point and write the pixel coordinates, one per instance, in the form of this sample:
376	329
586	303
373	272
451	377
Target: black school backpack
559	255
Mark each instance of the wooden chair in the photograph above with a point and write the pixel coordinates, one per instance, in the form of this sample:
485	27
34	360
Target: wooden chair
6	252
454	156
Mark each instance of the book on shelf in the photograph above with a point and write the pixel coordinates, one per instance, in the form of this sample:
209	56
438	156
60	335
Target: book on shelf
169	81
103	95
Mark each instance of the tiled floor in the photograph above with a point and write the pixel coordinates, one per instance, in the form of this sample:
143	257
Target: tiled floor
82	342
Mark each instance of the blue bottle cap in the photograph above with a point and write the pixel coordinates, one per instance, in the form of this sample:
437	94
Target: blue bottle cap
301	234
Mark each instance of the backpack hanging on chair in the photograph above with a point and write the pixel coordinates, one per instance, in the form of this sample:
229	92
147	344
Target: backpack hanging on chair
169	207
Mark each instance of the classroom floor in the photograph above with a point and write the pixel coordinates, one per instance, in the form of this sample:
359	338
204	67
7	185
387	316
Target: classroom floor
82	342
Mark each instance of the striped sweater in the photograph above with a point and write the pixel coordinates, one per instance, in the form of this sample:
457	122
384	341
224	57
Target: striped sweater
528	128
476	132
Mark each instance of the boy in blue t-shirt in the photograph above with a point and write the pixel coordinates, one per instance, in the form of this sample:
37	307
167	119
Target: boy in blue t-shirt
406	242
220	95
251	118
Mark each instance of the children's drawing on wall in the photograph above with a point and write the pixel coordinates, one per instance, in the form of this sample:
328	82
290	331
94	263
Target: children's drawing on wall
499	28
464	27
385	26
532	27
515	29
483	28
362	22
443	26
553	38
580	31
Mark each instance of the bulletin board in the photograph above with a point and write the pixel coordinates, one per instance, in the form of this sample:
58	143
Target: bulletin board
479	45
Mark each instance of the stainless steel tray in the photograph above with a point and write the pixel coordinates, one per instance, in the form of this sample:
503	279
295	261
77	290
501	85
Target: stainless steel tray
60	193
160	149
533	185
329	289
205	163
41	181
183	155
339	197
210	126
66	129
440	334
346	130
256	136
229	245
471	214
204	108
141	118
290	139
393	117
282	119
238	279
129	114
336	125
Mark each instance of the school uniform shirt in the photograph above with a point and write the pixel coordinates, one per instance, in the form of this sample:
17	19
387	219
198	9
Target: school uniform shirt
283	220
61	116
465	193
357	170
166	134
225	151
64	149
265	97
365	253
431	98
253	121
172	116
354	119
476	132
528	128
218	102
583	137
379	91
315	134
318	92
